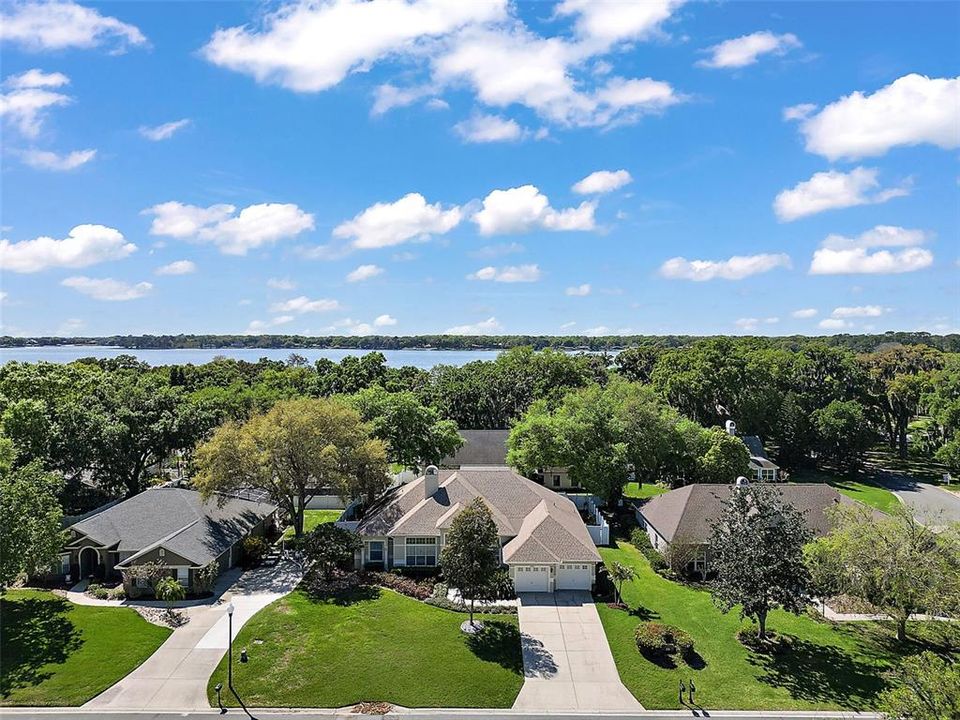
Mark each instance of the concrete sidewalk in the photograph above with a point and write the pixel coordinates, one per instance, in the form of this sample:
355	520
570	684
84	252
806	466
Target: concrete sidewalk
175	676
567	662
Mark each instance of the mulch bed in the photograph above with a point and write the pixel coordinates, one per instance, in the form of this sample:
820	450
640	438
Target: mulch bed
372	708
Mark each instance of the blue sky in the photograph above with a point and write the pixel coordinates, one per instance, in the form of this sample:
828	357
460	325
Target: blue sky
413	167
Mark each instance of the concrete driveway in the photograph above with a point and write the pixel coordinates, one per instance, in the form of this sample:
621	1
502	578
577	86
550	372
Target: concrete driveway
175	676
567	664
929	504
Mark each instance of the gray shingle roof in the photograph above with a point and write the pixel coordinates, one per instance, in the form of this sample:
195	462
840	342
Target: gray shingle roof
480	447
177	519
689	512
544	526
754	446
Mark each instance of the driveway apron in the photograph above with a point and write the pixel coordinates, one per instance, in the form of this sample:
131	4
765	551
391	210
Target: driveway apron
567	664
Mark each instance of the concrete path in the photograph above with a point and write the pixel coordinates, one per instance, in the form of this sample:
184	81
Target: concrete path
931	505
831	614
567	664
175	676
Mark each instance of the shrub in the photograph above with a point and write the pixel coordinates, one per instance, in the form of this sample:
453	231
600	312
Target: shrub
98	591
206	577
641	541
440	590
501	586
254	550
460	607
117	593
411	587
659	640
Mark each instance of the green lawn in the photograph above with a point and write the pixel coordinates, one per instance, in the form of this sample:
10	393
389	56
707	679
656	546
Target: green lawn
312	518
864	491
58	653
642	492
378	646
827	667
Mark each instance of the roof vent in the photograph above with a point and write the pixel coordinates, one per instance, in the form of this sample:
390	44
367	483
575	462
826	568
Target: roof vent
731	427
431	481
742	481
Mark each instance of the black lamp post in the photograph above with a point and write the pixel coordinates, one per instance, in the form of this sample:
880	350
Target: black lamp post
230	610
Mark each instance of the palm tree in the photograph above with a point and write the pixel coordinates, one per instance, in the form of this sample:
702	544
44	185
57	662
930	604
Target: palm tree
170	591
621	573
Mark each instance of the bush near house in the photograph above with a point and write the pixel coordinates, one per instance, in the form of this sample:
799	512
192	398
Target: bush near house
641	541
658	640
255	549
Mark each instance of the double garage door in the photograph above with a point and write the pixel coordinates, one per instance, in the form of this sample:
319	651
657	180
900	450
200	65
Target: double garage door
536	578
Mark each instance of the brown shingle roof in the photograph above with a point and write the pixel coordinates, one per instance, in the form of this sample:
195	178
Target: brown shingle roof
480	447
689	512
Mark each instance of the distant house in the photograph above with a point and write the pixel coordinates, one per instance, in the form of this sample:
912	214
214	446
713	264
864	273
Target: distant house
543	540
170	525
488	448
686	515
762	468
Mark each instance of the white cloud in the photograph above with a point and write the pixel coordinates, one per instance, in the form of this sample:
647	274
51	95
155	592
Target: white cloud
750	323
310	46
107	288
364	272
253	227
490	326
579	290
492	251
480	128
568	325
387	224
313	46
912	110
799	112
747	49
735	268
384	321
70	326
833	324
840	255
177	267
508	274
804	313
525	208
62	24
281	283
303	304
831	190
165	131
259	327
598	331
602	181
859	311
25	104
84	245
46	160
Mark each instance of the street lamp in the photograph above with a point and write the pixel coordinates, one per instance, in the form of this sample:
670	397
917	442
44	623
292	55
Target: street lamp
230	610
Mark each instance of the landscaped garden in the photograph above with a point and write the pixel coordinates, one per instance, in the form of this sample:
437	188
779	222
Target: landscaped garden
822	666
864	491
313	518
373	645
58	653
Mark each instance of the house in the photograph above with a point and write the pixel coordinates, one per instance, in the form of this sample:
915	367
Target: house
488	448
543	540
761	467
686	515
170	525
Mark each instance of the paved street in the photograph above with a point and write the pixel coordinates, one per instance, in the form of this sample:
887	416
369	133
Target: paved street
930	505
566	659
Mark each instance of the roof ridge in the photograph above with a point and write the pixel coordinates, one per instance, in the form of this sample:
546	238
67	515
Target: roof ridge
161	541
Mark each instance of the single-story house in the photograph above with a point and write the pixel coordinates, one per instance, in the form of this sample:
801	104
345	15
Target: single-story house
686	515
762	468
543	540
170	525
488	448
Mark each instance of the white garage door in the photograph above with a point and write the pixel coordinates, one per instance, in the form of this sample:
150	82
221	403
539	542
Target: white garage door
574	576
532	578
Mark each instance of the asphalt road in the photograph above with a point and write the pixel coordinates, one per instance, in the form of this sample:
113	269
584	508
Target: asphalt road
930	505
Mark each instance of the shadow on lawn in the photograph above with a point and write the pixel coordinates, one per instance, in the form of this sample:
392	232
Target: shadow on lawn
820	673
340	594
35	633
498	642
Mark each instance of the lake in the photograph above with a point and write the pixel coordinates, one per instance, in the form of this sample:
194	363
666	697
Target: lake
68	353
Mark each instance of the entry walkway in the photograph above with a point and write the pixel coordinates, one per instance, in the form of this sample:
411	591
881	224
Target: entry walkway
567	664
175	676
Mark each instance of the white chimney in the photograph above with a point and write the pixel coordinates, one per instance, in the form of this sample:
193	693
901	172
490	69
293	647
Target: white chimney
431	482
742	481
731	427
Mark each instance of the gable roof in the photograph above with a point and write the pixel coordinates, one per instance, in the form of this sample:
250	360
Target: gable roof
176	519
689	512
544	526
754	445
480	447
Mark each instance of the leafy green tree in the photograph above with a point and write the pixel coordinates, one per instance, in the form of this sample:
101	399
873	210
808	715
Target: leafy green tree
289	451
895	563
620	574
843	434
28	424
328	548
757	554
795	434
925	687
470	557
415	434
30	520
169	591
725	459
